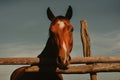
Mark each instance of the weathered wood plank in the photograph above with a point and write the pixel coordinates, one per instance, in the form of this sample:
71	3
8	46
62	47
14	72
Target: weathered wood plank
19	61
86	44
30	60
82	69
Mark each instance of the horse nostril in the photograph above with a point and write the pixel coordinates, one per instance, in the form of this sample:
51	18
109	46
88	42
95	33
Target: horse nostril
63	62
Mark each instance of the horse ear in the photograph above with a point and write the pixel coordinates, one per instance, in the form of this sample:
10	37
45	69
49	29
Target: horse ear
69	13
50	15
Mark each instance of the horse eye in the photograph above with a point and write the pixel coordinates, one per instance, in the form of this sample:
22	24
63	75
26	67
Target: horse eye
72	30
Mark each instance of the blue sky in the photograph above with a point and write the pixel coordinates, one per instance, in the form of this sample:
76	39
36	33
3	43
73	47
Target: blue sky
24	29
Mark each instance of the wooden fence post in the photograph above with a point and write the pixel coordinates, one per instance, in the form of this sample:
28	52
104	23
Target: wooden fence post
86	44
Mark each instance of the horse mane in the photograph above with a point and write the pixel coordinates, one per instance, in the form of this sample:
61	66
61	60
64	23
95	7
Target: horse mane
50	48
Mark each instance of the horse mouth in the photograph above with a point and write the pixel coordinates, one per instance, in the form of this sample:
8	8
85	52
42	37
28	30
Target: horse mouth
61	64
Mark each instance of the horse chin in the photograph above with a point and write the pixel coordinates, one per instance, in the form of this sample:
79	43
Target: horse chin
61	66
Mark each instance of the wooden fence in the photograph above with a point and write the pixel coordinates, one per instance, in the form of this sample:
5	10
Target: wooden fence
87	64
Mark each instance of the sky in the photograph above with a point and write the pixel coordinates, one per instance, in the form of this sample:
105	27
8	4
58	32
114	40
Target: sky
24	30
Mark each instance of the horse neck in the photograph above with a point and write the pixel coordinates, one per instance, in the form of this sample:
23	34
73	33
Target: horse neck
50	50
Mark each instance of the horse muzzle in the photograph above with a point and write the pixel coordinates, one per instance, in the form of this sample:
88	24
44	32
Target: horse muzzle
63	63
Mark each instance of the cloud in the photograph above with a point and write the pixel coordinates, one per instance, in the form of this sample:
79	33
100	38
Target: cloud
23	49
106	43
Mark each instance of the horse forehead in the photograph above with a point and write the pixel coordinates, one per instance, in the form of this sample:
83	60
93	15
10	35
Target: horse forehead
61	24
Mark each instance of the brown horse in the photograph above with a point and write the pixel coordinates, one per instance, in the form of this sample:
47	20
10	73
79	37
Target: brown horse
57	50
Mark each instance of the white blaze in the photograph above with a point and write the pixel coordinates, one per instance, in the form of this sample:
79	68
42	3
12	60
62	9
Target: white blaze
65	49
61	24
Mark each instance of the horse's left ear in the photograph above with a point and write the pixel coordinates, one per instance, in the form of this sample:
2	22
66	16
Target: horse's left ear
50	14
69	13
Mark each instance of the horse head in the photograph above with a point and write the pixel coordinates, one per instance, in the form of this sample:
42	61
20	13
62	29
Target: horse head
61	32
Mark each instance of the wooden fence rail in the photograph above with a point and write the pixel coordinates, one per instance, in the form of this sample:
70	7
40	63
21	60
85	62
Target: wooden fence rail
101	64
31	60
82	69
